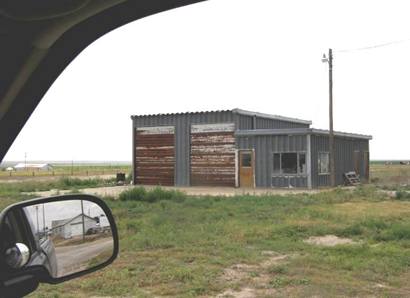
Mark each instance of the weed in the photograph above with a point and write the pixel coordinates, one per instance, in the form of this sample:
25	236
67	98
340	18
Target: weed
402	195
151	196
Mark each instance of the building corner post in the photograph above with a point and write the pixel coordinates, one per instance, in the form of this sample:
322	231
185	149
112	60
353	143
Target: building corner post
134	152
309	161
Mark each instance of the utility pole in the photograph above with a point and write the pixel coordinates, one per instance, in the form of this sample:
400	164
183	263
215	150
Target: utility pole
38	226
329	60
82	216
44	223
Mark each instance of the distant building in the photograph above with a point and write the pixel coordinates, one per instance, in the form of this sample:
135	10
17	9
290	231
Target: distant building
68	228
32	167
238	148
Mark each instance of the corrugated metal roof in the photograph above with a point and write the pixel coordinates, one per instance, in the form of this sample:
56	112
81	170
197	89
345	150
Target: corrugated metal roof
270	116
182	113
298	131
235	111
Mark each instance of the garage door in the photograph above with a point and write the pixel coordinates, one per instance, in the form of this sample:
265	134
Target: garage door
155	155
213	155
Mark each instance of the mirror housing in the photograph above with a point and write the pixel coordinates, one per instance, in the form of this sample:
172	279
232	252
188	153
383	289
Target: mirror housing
14	268
29	10
18	256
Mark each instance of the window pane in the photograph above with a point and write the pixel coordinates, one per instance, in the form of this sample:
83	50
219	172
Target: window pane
289	163
323	163
246	160
302	163
276	163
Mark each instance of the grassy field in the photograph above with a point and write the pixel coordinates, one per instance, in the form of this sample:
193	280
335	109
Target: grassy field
391	176
69	170
173	245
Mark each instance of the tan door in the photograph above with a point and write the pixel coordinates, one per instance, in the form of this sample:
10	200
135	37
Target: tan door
246	169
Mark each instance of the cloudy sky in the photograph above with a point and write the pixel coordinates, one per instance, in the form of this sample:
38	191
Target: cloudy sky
260	55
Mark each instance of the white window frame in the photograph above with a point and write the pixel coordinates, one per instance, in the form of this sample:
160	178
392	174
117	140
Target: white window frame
318	162
298	153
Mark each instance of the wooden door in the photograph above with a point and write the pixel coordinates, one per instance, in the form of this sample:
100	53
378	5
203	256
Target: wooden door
155	155
213	154
246	169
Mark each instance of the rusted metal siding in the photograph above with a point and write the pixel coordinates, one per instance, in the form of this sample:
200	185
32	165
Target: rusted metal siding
213	155
344	157
182	123
155	156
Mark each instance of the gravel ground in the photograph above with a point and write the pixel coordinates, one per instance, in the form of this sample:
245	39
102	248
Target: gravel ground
194	191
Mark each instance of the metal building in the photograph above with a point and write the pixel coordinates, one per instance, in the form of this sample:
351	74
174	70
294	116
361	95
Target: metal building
239	148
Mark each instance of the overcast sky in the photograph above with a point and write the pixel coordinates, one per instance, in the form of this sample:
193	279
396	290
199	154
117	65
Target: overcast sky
260	55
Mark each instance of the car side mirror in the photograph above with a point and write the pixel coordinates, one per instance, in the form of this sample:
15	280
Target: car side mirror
56	239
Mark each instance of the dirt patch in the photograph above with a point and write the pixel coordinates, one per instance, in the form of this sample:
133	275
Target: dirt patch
114	191
329	240
253	279
243	293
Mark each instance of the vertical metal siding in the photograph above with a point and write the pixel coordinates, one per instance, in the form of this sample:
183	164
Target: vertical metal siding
264	123
344	160
245	122
264	147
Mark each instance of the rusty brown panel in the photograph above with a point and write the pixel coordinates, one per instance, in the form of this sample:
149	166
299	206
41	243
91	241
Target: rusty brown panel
212	158
155	156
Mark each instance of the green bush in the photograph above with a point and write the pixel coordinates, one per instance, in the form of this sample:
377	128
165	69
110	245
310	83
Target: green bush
134	194
396	232
155	195
68	182
402	195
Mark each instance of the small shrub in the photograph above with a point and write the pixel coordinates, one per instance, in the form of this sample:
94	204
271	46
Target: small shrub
396	232
403	195
353	230
155	195
280	282
134	194
278	269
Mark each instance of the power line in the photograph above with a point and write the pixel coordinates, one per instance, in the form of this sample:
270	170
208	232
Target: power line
381	45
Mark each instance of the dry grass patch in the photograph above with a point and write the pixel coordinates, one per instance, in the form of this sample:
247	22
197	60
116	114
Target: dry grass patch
329	240
358	210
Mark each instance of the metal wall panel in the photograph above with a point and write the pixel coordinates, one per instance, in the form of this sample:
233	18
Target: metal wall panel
155	155
182	123
344	149
213	154
289	181
264	147
263	123
248	122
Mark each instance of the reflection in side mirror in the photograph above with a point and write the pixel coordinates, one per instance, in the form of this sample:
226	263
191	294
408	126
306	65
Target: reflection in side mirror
18	256
75	235
64	235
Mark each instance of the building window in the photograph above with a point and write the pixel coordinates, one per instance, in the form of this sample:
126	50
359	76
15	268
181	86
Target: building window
290	163
324	165
246	159
302	163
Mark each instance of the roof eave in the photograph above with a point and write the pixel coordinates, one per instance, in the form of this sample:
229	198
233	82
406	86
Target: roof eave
269	116
298	131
